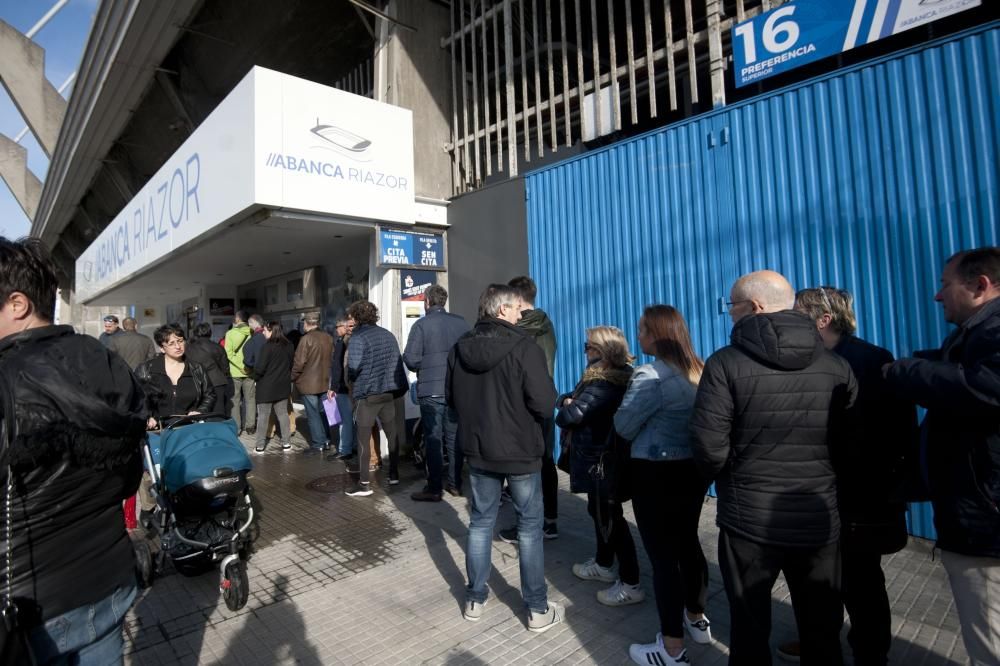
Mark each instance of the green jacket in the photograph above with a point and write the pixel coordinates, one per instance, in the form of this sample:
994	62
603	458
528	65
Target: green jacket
537	324
236	337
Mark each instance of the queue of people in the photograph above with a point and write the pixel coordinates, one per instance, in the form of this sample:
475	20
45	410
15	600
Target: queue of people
808	432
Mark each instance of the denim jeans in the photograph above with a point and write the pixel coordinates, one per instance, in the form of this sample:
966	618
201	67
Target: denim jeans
319	430
90	635
526	493
440	425
346	424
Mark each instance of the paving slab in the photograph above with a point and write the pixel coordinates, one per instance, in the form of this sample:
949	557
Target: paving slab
380	580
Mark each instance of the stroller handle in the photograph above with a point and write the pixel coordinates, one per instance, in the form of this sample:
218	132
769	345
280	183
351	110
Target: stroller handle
175	420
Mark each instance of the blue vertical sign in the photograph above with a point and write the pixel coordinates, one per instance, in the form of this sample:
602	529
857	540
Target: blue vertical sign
409	249
801	32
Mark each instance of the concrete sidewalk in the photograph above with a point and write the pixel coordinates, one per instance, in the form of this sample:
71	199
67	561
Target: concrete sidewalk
380	580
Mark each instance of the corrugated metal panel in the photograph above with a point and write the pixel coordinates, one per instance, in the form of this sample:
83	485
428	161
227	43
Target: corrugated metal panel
866	179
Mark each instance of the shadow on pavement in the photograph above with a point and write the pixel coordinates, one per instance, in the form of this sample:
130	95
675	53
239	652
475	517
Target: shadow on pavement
273	634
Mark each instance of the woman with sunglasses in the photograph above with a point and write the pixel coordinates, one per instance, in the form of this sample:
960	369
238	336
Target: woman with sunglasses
667	489
586	419
173	384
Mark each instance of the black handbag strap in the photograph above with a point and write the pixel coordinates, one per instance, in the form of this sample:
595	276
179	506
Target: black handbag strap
8	425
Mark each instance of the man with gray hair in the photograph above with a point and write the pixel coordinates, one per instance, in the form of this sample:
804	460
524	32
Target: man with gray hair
311	376
769	412
499	385
426	353
132	346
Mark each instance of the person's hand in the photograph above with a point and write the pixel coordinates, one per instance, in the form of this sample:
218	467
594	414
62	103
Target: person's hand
193	413
330	395
567	401
150	423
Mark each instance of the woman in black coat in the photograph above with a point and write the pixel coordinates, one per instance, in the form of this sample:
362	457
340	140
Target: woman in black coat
586	418
174	385
209	354
273	372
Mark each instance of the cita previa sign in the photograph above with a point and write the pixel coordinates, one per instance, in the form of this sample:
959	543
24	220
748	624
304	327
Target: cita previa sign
409	249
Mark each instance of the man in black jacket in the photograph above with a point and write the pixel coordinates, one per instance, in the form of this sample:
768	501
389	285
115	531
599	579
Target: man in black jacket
339	391
426	353
500	389
870	475
959	385
71	443
763	428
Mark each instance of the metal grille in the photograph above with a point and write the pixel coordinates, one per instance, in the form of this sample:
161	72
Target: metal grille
532	76
359	80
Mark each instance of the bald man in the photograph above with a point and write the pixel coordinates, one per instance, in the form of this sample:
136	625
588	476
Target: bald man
768	408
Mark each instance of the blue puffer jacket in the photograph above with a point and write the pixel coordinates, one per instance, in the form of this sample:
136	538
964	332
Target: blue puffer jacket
373	363
431	338
655	412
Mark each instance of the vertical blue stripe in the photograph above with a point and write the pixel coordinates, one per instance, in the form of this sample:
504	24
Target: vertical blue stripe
890	18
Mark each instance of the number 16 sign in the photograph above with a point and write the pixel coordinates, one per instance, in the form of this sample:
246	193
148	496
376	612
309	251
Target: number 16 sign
801	32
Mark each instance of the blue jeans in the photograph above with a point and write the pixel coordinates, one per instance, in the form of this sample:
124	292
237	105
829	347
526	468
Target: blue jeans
90	635
319	430
440	425
526	492
346	424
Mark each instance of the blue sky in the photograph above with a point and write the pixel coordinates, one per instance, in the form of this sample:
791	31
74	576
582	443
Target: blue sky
63	39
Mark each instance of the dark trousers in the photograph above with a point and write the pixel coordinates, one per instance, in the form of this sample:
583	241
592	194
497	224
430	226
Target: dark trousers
550	477
619	543
667	498
867	604
749	570
440	425
380	408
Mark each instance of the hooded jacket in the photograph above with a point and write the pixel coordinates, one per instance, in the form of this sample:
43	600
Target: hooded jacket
768	413
76	417
959	385
537	324
500	389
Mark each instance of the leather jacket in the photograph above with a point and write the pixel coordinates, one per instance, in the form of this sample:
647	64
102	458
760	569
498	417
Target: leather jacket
193	393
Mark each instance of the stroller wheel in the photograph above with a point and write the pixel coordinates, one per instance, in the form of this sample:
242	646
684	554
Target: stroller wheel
143	564
236	586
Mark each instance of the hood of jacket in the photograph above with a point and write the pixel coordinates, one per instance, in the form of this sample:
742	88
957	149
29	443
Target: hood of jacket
535	323
785	340
488	343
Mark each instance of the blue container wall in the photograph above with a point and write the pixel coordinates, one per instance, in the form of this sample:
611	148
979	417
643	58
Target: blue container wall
866	179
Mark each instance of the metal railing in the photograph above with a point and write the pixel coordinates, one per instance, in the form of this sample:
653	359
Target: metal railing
532	76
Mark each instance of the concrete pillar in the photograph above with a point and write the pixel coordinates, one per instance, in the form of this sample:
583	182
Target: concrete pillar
413	71
23	184
22	72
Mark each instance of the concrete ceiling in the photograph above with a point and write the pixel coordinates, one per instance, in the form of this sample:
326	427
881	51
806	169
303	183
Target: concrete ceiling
264	245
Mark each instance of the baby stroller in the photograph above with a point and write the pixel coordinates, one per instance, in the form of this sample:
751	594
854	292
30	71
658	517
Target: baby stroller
203	509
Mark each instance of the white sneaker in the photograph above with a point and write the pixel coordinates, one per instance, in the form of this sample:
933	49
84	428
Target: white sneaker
621	594
539	622
591	570
473	610
654	654
700	631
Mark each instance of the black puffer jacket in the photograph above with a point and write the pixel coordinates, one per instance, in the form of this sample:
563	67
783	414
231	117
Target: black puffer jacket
500	388
79	419
273	371
193	393
768	409
588	421
871	476
960	387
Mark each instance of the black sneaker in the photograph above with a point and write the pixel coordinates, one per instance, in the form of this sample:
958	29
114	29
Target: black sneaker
508	535
359	490
549	530
453	491
344	456
312	451
260	449
252	430
286	447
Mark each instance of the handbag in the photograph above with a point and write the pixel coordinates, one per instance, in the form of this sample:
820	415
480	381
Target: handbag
565	444
15	648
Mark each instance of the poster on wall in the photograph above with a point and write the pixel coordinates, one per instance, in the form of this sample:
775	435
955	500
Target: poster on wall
222	307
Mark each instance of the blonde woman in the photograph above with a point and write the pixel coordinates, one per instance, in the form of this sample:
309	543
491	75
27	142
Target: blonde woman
586	419
667	489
